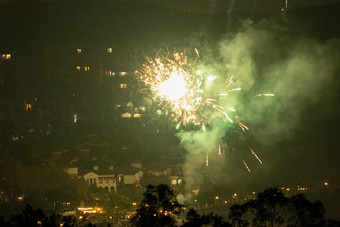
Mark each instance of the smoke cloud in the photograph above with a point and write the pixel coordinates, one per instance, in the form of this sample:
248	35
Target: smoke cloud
264	58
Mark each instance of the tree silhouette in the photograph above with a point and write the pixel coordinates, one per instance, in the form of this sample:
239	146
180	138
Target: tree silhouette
235	214
306	213
270	207
158	207
196	220
33	217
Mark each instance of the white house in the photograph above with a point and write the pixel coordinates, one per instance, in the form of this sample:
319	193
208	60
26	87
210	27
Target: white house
102	178
128	174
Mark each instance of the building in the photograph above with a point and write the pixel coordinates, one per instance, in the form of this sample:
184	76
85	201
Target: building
128	174
102	178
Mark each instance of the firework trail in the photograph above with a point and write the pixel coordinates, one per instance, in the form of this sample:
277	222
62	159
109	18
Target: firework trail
258	159
245	164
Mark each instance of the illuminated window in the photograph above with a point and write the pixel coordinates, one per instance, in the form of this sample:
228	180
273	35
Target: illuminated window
122	85
28	107
78	50
6	56
75	118
137	115
118	105
109	50
110	73
126	115
78	68
122	73
87	68
173	182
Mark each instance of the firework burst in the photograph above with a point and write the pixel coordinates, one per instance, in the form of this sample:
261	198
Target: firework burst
189	95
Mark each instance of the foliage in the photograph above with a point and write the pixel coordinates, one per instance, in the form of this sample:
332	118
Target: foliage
272	208
196	220
128	194
306	213
235	214
158	207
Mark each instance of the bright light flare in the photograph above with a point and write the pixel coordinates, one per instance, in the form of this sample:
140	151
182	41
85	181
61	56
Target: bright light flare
173	88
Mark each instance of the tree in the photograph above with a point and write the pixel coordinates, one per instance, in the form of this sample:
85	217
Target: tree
158	207
306	213
236	213
33	217
196	220
270	208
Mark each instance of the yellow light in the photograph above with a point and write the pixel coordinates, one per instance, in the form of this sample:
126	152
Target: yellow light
126	115
78	50
196	191
122	85
216	197
326	183
28	107
173	88
6	56
78	68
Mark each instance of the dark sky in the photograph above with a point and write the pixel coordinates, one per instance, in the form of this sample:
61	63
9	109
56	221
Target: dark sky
207	5
273	6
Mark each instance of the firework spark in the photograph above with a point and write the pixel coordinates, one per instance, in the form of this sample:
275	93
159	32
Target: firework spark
187	93
258	159
245	164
